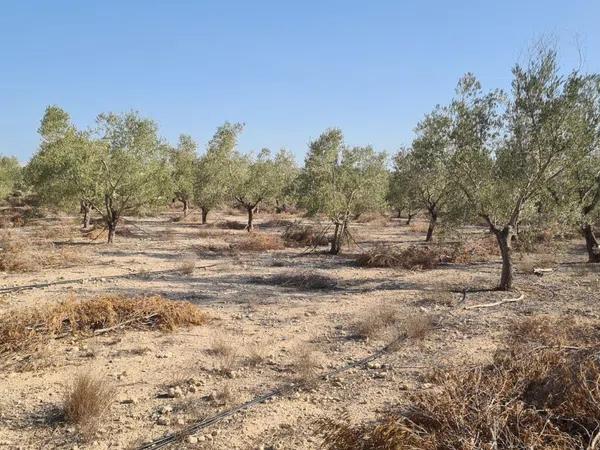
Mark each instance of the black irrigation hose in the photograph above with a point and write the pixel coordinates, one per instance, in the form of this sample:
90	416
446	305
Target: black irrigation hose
194	428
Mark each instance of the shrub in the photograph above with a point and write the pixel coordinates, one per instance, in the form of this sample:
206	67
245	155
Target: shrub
87	400
25	329
259	242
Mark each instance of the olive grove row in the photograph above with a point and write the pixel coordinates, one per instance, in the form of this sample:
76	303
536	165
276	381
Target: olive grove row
509	160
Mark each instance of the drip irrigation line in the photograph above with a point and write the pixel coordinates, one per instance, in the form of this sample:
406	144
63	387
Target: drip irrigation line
194	428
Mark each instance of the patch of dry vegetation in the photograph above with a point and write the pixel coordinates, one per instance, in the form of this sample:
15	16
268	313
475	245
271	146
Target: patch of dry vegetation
373	218
87	400
187	267
259	242
542	398
18	255
305	279
476	250
299	235
25	329
375	321
231	225
225	353
414	257
306	363
529	263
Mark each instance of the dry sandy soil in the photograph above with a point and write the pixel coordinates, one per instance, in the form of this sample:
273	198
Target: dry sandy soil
260	335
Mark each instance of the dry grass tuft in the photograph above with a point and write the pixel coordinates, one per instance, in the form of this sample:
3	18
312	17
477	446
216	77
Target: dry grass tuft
255	355
531	262
225	353
259	242
305	279
418	326
306	363
87	400
25	329
187	267
543	398
375	321
298	235
414	257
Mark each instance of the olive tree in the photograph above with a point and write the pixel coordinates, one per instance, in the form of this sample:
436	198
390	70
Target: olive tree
342	182
503	162
132	172
183	160
10	175
402	194
63	172
260	180
288	171
121	169
579	188
429	171
214	172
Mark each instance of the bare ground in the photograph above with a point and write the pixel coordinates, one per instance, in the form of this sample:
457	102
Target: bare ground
260	334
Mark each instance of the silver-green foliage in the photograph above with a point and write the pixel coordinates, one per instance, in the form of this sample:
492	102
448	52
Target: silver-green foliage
342	182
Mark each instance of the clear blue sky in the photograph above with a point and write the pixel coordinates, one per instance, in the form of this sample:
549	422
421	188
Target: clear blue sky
288	69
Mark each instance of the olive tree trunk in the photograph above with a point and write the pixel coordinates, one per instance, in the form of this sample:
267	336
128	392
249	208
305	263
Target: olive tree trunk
186	207
504	239
112	227
86	209
338	237
591	244
432	223
203	214
250	225
409	219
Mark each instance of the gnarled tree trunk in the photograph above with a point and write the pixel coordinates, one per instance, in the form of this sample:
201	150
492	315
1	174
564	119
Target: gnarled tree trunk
186	207
591	243
338	237
504	238
112	227
410	217
111	219
86	210
433	215
250	210
203	214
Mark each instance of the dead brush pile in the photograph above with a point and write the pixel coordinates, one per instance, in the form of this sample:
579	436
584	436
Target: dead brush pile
529	397
17	254
259	242
299	235
24	330
414	257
